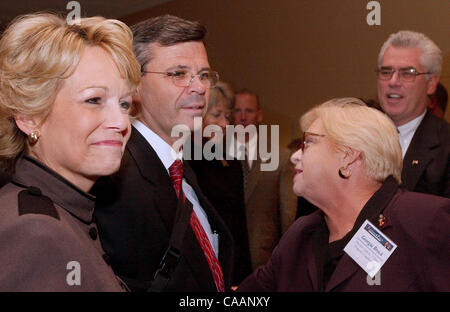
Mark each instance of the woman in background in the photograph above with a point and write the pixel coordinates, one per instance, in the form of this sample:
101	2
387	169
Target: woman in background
350	167
65	94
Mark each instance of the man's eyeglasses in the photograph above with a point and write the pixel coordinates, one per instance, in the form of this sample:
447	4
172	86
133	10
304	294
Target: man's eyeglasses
184	78
307	138
407	74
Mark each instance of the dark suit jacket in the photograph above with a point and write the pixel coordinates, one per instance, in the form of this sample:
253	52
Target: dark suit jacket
426	164
135	212
418	223
222	183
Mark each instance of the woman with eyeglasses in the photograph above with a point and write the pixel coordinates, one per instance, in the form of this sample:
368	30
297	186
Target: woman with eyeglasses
368	234
65	95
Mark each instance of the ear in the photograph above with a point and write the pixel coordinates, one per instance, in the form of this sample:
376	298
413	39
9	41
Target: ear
136	104
350	157
26	124
432	84
259	116
136	98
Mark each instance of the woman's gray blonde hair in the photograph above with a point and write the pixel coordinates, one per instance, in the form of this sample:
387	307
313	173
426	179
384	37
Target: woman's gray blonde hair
349	123
221	90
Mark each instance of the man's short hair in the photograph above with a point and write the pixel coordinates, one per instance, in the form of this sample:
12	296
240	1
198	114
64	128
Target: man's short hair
249	92
431	58
166	30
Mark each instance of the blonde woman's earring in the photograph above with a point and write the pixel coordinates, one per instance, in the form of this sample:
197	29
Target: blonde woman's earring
33	137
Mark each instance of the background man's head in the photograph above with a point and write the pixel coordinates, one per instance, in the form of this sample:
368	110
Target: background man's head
409	66
169	48
246	110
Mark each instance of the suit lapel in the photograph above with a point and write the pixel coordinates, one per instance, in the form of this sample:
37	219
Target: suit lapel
344	270
252	178
418	154
347	267
217	224
152	170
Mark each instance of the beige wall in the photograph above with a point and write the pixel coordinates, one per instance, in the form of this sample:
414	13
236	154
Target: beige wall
298	53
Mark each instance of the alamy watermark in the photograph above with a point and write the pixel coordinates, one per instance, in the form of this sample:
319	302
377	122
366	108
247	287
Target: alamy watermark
73	17
374	270
73	278
374	16
217	148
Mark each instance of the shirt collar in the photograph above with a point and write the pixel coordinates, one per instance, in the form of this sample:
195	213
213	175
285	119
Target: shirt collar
411	126
252	145
165	152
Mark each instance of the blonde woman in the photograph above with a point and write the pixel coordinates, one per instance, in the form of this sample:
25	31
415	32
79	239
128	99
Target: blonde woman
350	167
65	94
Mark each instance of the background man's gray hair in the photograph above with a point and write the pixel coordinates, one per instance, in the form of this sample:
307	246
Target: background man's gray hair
431	58
166	30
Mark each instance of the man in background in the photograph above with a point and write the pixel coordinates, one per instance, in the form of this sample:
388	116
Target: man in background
409	66
263	203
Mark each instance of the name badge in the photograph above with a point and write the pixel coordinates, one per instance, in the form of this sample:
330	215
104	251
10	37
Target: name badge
370	248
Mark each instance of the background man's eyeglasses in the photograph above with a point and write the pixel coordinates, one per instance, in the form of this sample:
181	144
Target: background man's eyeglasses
407	74
184	78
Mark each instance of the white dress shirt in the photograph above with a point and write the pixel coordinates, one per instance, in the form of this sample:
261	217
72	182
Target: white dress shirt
406	132
168	155
240	146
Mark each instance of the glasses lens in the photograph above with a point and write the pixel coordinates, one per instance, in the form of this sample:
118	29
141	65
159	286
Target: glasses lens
407	74
180	78
385	74
209	78
184	78
214	77
302	147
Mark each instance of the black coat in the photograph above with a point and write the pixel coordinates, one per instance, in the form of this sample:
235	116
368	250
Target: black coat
222	183
135	212
426	163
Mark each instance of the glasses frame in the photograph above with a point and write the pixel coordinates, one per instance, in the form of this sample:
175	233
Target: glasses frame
400	76
170	74
305	134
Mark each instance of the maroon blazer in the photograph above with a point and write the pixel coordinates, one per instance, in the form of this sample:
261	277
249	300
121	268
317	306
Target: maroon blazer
418	223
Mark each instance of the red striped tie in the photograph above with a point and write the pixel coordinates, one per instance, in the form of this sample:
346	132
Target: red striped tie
176	175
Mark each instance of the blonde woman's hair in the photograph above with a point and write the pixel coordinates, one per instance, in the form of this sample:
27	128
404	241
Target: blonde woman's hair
221	90
349	123
38	51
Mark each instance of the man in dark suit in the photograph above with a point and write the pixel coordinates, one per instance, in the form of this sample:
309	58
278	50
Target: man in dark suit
264	206
409	65
137	208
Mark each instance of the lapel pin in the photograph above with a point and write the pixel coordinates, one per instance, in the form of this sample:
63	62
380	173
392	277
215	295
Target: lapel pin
381	221
415	162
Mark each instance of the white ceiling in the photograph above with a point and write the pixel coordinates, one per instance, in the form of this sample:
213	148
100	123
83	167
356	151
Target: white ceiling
108	8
